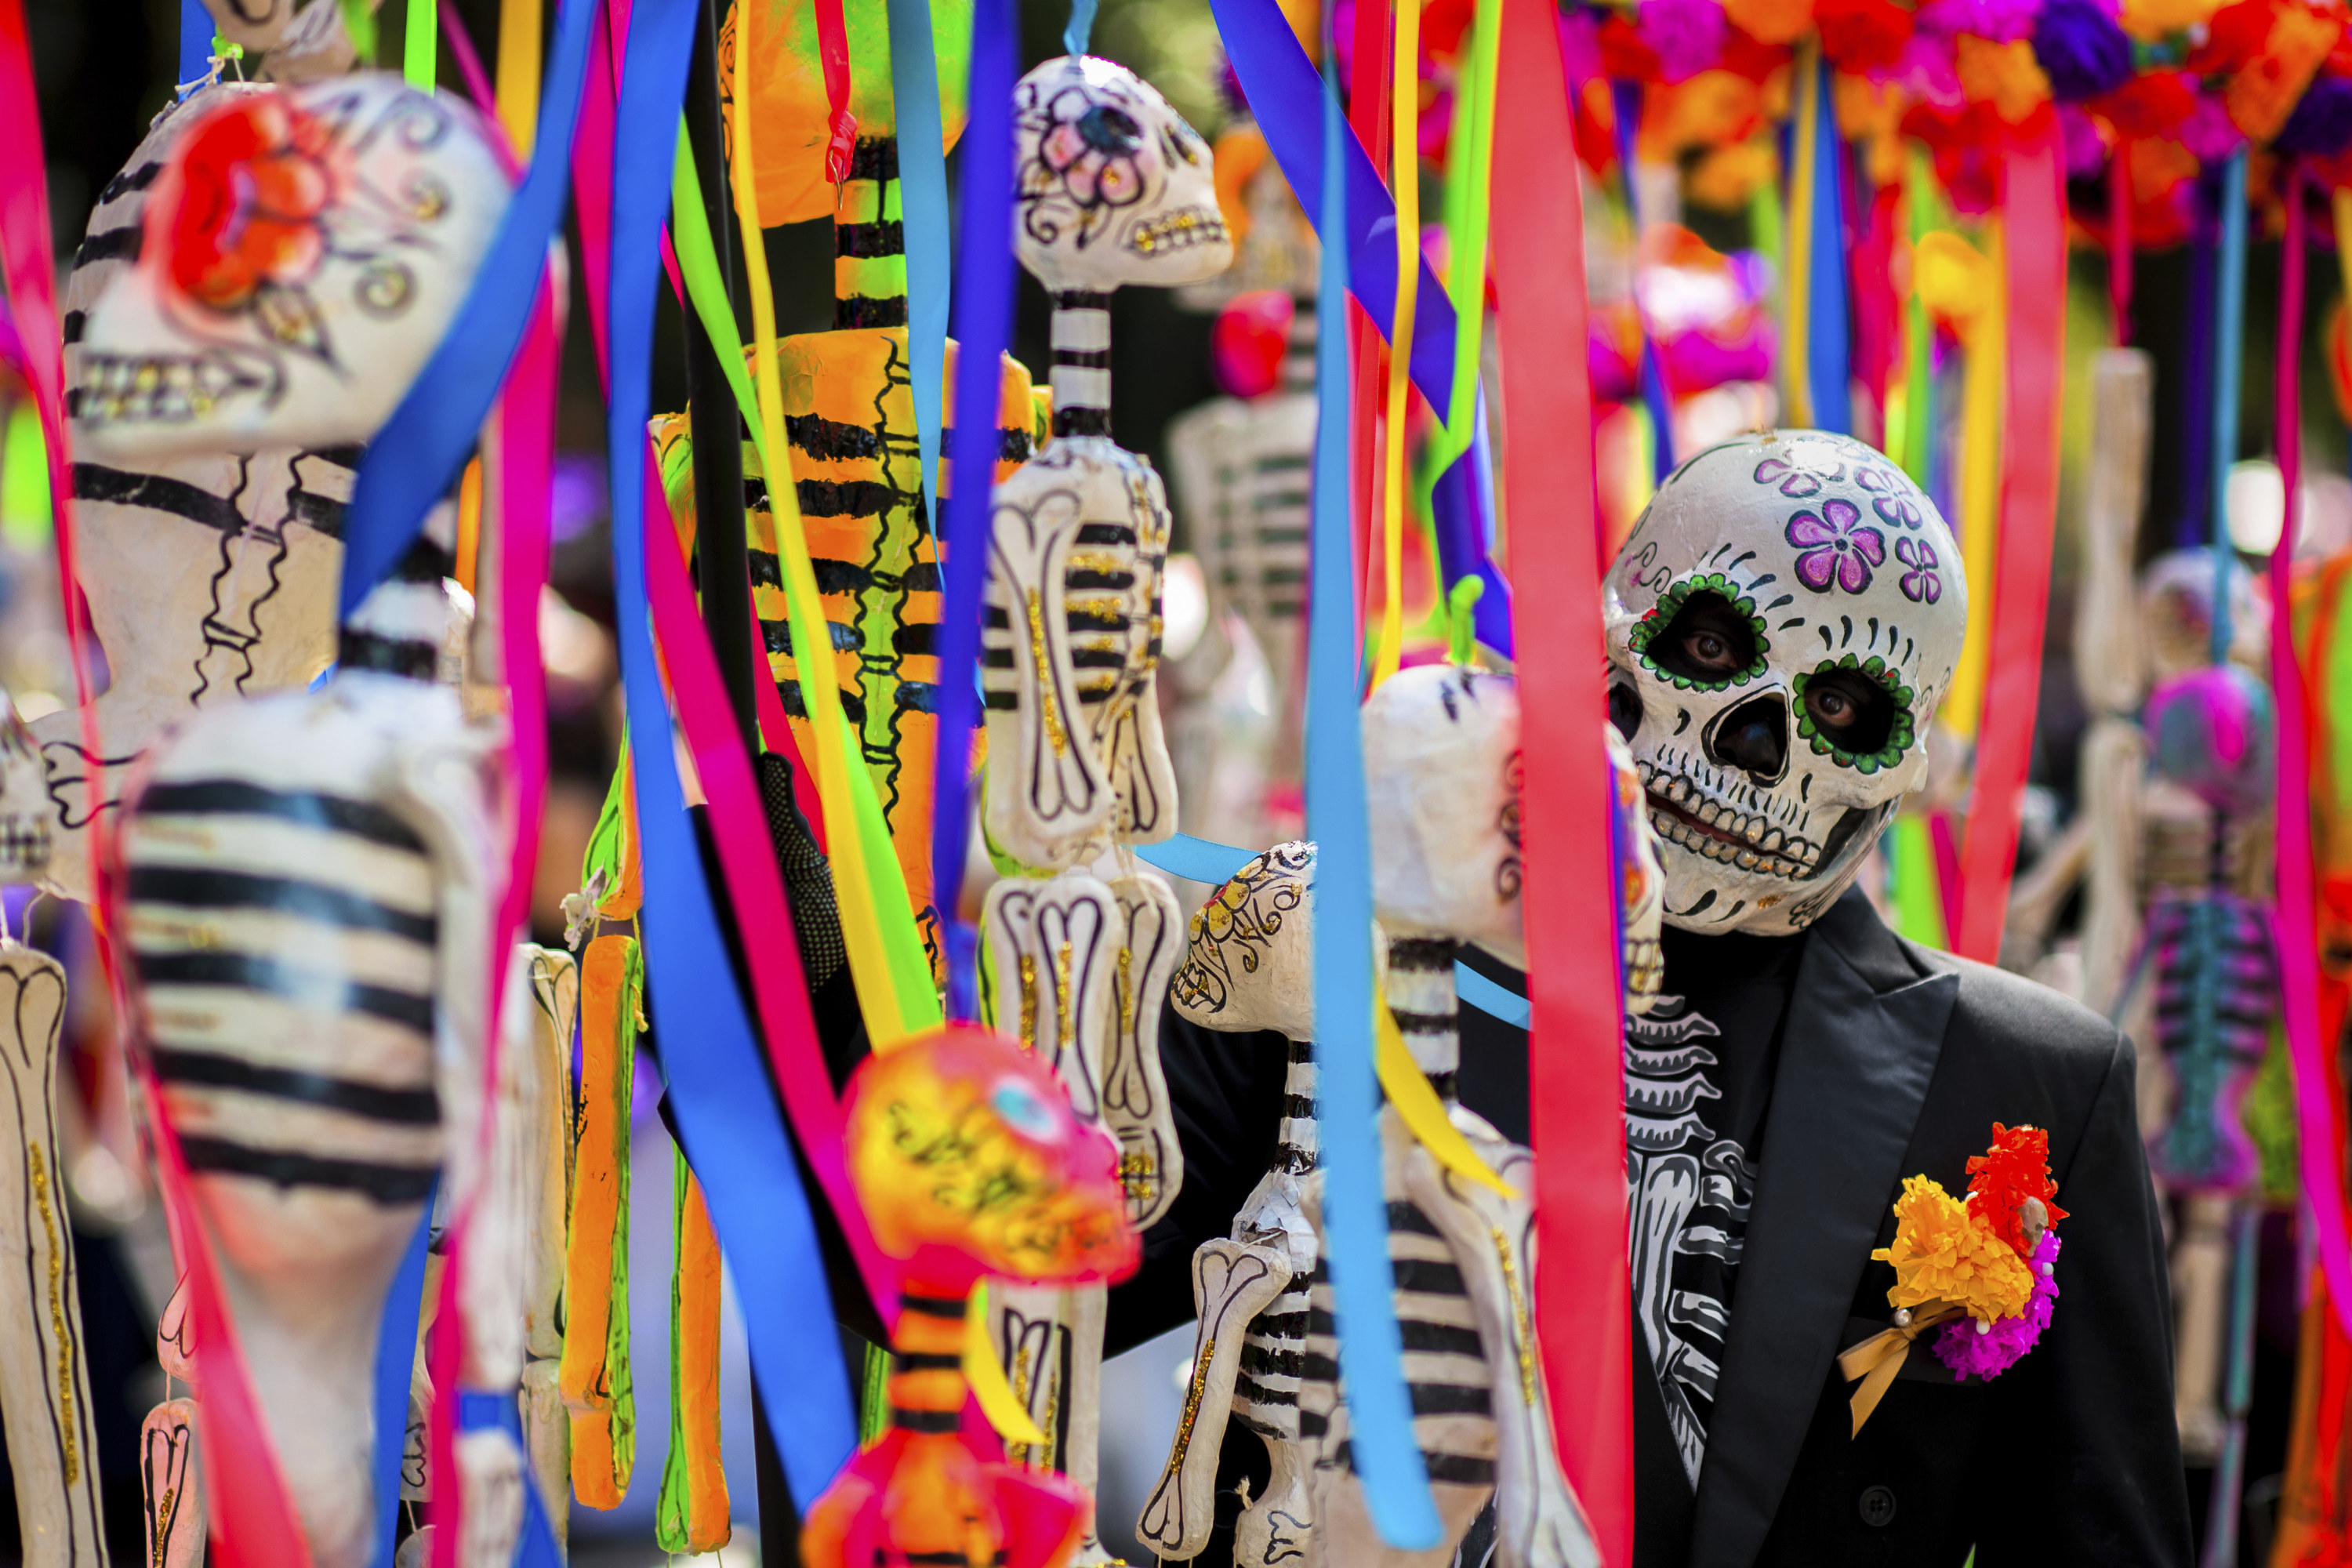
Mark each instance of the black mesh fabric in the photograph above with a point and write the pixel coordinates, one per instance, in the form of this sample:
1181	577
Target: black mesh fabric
808	877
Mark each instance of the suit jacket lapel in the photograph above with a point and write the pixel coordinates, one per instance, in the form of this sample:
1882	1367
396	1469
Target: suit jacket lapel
1863	1037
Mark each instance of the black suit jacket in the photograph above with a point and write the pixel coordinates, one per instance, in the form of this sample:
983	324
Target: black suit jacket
1897	1060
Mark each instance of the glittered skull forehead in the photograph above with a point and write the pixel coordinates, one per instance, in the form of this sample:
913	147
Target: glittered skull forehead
302	254
1113	186
1781	624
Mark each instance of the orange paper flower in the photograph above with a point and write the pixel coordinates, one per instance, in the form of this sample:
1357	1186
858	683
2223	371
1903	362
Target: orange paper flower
256	179
1942	1254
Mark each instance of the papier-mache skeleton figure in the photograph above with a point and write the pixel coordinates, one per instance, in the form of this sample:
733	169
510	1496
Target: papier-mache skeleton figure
1265	1354
306	915
210	574
1112	188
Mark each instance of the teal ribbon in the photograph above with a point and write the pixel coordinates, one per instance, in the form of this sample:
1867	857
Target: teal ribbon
2228	366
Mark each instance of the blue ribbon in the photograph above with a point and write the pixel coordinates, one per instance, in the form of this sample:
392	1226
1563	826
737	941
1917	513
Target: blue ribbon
984	323
1371	1351
727	1110
480	1410
395	1366
195	44
1080	28
1462	516
923	206
1283	88
418	454
1828	363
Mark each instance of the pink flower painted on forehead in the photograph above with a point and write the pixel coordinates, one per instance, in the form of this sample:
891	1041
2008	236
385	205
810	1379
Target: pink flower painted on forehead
1835	547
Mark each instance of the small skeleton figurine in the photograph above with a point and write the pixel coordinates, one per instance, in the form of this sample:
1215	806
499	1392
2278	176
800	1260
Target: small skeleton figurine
306	917
1250	967
1113	188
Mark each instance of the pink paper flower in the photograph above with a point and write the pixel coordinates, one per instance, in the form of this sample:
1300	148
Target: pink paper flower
1994	1351
1687	34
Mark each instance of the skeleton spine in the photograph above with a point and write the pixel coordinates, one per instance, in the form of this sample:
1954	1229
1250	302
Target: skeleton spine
926	1385
1081	364
1274	1350
1422	1002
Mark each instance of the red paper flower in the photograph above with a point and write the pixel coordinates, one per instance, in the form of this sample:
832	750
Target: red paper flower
2000	1180
2154	104
1862	35
255	177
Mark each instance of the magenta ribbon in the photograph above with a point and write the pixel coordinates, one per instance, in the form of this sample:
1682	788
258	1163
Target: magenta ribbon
2295	916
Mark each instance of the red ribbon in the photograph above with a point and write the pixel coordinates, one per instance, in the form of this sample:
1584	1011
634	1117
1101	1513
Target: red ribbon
1583	1297
2035	208
833	54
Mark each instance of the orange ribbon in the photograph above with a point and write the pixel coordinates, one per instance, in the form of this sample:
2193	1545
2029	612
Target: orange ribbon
1879	1358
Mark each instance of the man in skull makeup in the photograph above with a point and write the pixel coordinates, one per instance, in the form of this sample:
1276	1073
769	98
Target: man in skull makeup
1780	625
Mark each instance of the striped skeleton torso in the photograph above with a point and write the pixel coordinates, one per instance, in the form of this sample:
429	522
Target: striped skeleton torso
1445	1364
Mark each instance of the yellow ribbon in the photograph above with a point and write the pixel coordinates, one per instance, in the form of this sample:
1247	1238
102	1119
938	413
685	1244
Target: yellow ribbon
1422	1113
986	1375
1795	301
1404	99
518	89
1879	1358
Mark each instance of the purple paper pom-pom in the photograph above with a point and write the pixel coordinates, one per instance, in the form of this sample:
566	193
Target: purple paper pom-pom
1687	34
1994	1351
2082	49
1998	21
2321	125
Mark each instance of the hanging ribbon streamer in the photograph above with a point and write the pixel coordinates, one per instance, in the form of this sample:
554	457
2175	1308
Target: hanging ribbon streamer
983	324
832	56
2229	372
253	1520
1283	88
1080	28
195	46
923	202
1918	329
518	90
1627	96
1984	340
2035	243
417	64
757	1201
395	1369
423	445
1583	1299
1828	353
1371	1352
1404	152
1796	288
2320	1145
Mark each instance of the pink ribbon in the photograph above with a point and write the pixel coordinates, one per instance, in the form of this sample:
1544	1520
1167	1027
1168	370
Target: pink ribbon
2320	1145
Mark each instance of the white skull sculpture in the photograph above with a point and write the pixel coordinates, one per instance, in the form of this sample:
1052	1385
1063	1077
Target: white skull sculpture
1782	622
1442	785
303	253
1112	187
1640	881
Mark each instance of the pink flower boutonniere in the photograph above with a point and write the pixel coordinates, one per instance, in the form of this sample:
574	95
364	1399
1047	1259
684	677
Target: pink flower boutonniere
1981	1266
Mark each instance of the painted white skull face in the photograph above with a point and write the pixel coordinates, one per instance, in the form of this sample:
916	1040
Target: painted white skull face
302	254
1442	785
1112	187
1781	624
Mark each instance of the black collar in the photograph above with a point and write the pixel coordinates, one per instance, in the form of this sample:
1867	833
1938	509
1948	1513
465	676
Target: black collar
1865	1027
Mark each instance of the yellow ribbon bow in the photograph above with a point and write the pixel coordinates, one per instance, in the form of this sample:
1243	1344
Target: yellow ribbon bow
1879	1358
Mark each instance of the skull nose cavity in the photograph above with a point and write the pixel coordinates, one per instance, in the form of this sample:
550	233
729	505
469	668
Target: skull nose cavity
1753	738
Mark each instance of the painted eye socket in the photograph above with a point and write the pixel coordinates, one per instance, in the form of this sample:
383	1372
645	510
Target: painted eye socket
1855	711
1703	635
1025	1111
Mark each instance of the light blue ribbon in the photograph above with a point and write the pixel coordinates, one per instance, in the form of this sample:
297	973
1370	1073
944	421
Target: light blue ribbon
1371	1351
726	1104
